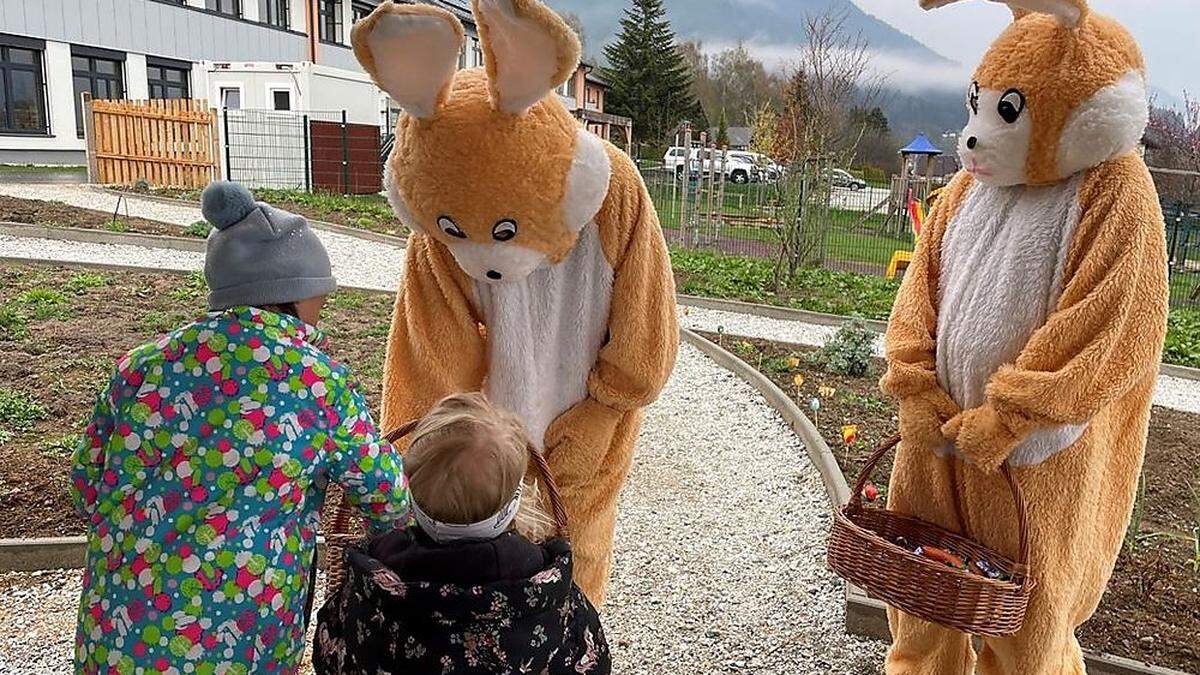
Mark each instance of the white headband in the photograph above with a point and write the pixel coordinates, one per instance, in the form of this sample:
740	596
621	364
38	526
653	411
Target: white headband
492	527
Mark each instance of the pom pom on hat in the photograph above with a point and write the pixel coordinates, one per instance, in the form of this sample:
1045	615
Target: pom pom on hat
225	203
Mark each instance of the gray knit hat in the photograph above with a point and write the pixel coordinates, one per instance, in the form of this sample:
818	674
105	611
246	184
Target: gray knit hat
259	255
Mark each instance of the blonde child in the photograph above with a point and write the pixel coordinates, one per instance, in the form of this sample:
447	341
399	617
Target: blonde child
481	585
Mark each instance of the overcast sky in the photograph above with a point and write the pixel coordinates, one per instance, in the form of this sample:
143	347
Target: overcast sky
1169	31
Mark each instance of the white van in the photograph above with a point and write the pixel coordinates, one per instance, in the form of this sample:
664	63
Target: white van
740	167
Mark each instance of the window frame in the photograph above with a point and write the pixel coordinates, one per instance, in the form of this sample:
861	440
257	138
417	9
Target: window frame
95	55
273	89
215	6
360	9
38	69
222	88
164	65
283	8
334	21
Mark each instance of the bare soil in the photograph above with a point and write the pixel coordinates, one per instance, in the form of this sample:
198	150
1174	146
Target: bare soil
61	331
1151	611
58	214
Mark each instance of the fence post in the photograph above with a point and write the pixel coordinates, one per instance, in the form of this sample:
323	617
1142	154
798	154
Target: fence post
684	177
89	138
307	150
721	192
345	156
694	232
228	143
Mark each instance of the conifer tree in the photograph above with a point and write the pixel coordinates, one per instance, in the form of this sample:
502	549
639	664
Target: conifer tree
650	80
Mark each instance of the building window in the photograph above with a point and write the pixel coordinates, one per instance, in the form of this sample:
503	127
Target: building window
22	97
330	20
274	13
168	79
98	72
361	9
281	99
230	7
231	98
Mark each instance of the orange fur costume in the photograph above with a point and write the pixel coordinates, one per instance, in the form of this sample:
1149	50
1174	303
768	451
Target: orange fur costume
1029	329
537	271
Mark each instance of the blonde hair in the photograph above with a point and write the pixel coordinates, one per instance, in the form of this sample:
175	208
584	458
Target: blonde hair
465	461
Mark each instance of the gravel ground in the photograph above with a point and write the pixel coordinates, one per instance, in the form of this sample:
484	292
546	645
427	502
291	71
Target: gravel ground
719	554
1172	392
356	262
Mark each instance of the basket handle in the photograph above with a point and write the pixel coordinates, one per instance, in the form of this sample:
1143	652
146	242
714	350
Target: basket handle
539	464
856	495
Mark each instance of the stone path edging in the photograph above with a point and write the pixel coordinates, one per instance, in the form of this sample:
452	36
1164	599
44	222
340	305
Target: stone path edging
191	245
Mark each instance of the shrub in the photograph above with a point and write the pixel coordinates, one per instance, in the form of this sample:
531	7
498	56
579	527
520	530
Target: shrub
199	229
1183	338
12	324
44	303
84	281
18	414
848	352
142	185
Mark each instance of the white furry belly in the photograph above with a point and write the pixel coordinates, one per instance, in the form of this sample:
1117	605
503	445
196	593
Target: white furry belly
1002	265
544	334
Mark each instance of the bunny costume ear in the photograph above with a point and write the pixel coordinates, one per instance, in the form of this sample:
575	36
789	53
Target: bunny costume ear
411	51
1069	12
528	50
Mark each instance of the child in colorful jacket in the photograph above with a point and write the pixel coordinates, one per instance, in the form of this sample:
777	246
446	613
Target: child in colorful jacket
204	468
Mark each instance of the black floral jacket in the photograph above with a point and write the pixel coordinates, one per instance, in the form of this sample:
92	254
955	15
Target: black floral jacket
379	623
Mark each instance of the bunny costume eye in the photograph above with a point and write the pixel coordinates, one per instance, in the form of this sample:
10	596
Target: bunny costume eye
973	97
504	230
451	228
1011	105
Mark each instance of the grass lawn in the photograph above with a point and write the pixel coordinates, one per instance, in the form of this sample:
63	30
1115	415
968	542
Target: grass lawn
365	212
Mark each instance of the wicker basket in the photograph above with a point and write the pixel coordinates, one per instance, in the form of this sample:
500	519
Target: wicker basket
345	529
864	552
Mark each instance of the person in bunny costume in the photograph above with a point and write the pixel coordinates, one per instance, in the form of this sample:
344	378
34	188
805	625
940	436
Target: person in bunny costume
1029	330
537	271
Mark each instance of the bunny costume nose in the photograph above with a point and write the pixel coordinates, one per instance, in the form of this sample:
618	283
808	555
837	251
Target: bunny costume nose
972	142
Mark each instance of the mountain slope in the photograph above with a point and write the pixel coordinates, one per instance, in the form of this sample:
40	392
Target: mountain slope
768	22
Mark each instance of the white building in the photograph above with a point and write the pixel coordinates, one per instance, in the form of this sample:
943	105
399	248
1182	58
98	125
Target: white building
247	54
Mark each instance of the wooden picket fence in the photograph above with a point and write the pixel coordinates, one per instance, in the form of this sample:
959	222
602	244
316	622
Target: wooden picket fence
167	143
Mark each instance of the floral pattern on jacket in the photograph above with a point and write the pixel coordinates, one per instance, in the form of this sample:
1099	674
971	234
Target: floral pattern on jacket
379	623
201	477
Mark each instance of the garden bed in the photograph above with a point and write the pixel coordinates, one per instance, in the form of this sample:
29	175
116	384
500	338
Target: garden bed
1151	612
58	214
61	331
364	212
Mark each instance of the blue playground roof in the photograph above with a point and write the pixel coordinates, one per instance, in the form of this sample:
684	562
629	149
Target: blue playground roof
921	146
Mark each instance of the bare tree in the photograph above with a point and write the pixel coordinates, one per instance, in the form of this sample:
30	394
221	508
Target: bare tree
820	129
831	79
1174	152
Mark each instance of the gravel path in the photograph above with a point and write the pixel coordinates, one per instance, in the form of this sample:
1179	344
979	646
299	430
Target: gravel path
719	554
356	262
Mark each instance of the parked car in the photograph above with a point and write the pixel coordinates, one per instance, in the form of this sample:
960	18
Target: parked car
740	167
844	179
769	169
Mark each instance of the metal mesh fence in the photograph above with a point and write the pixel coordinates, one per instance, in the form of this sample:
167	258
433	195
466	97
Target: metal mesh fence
817	216
301	150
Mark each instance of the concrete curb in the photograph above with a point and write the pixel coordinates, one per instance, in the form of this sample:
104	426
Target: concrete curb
63	553
80	234
773	312
865	616
318	224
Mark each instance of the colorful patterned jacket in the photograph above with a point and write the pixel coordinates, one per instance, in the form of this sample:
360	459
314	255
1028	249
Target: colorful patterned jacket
201	477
